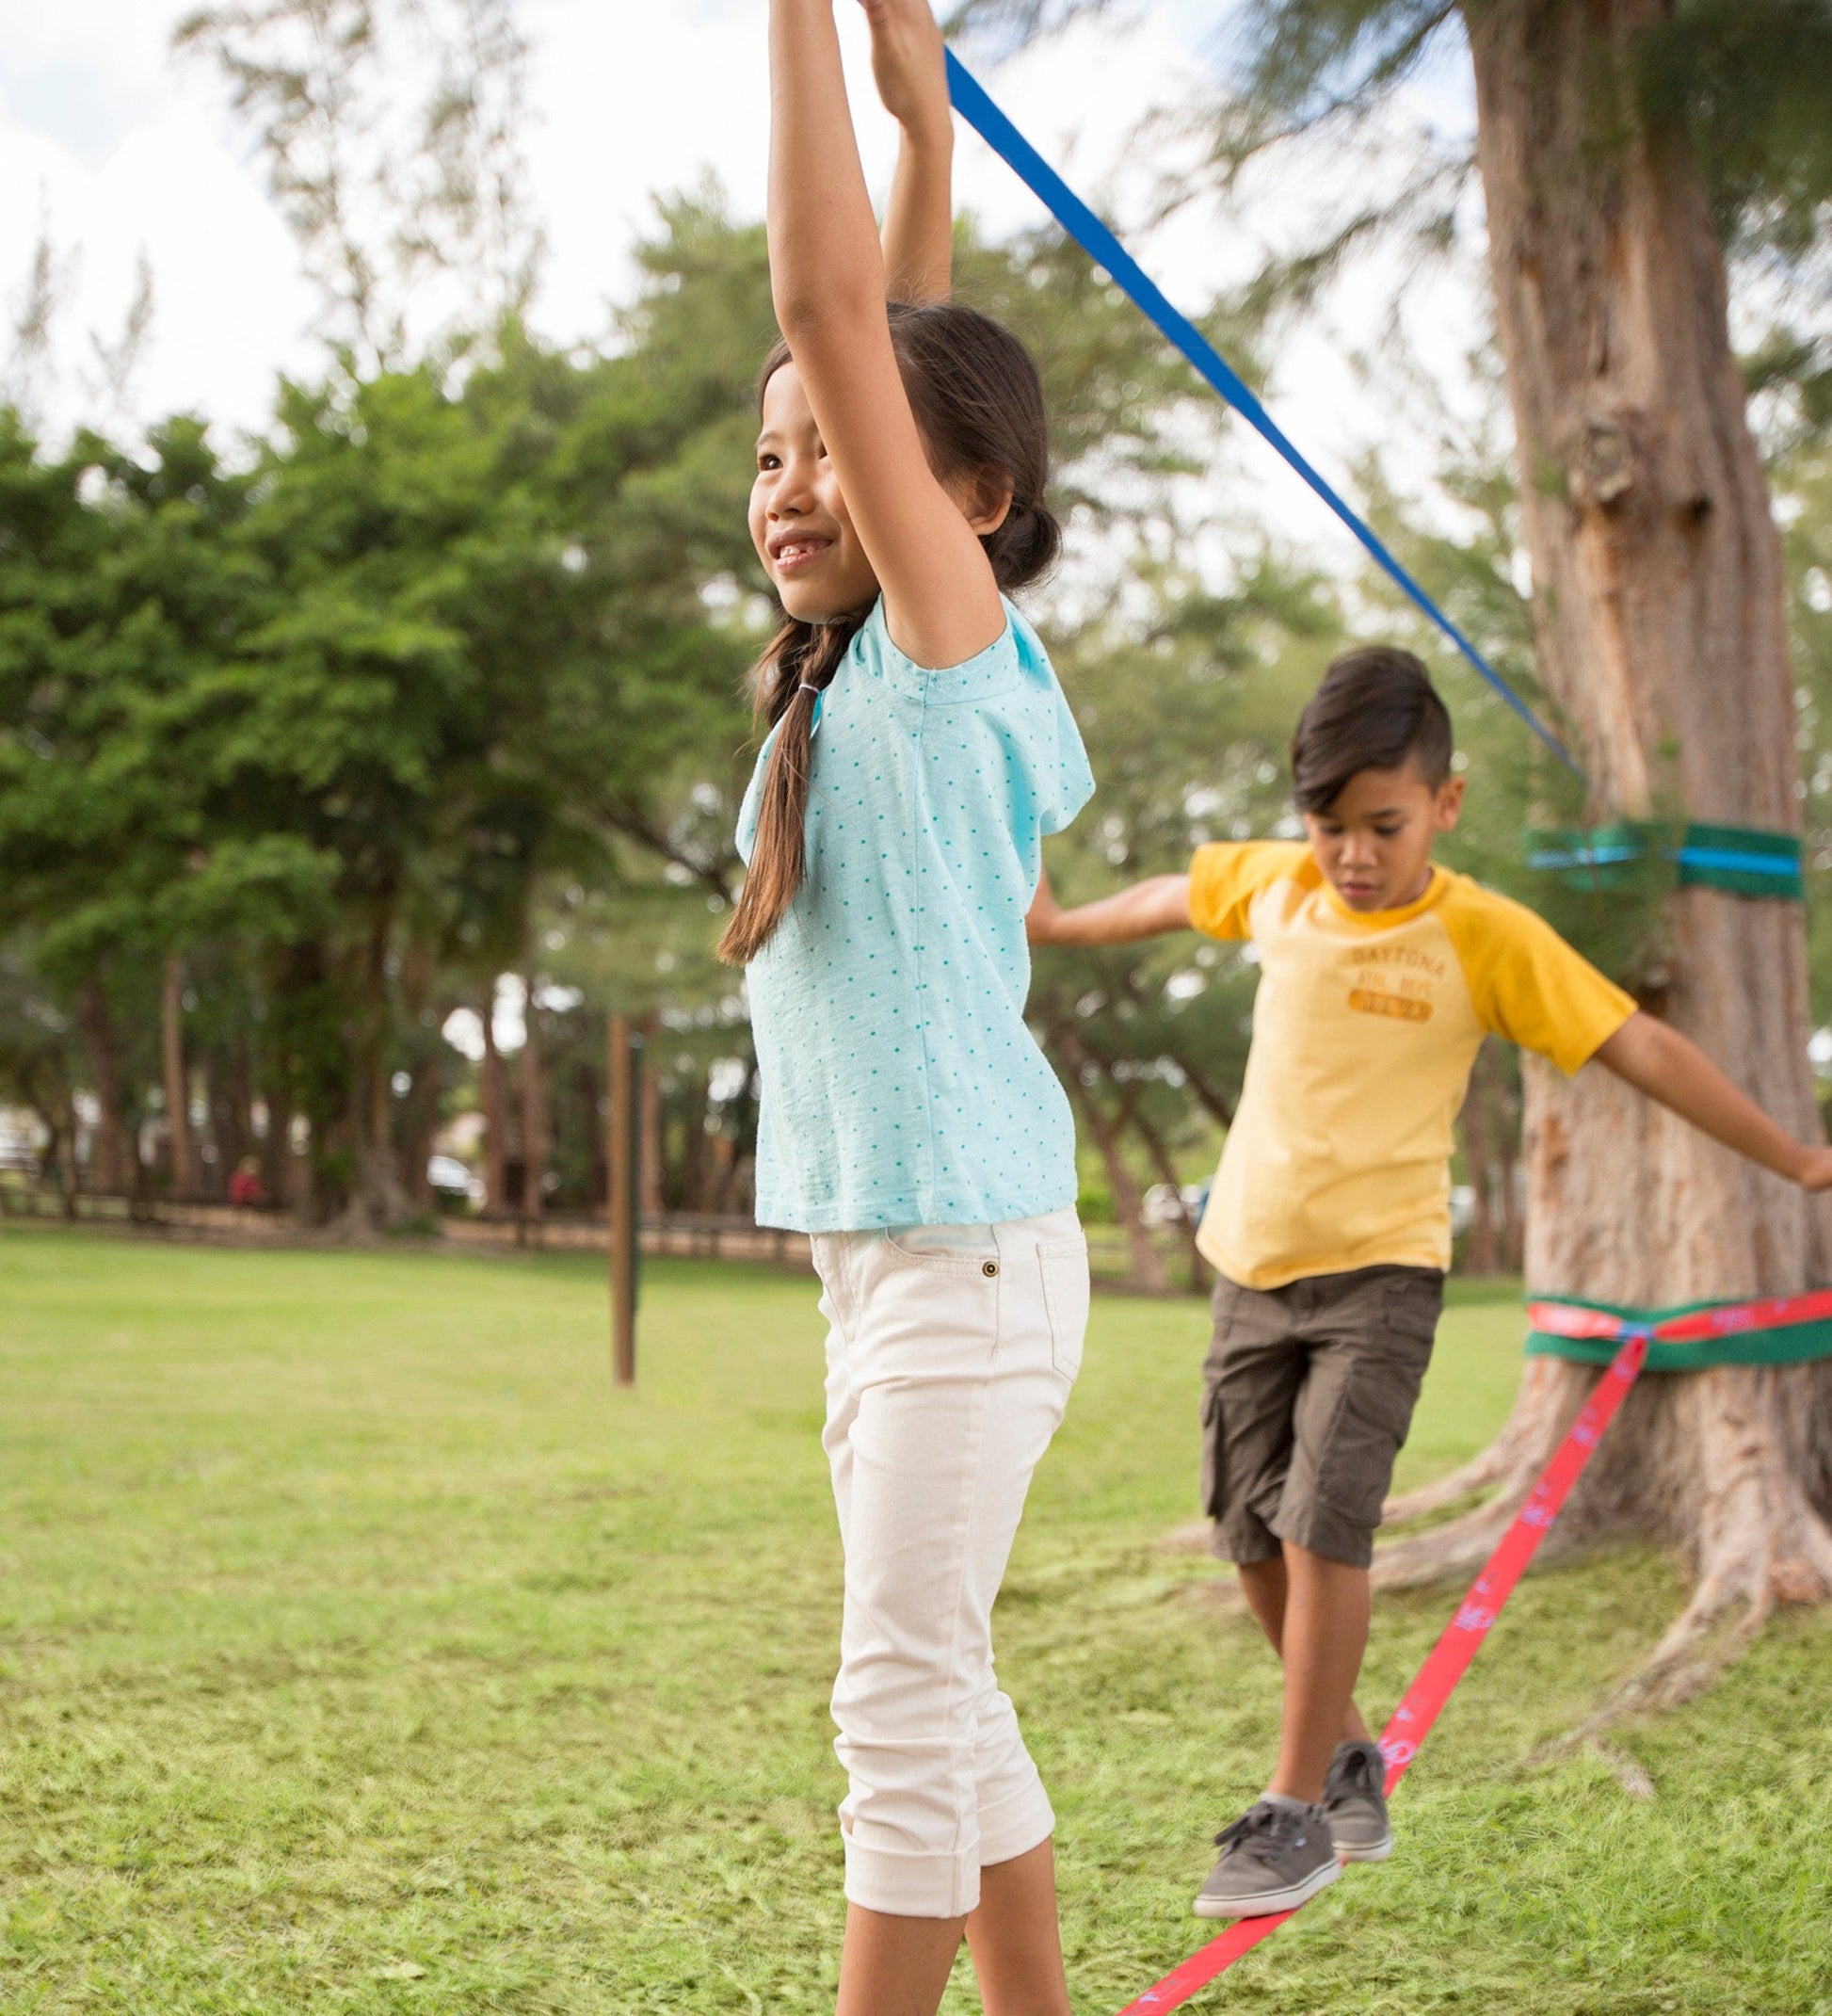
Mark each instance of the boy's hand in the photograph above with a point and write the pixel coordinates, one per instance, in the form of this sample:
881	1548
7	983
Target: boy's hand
1815	1169
910	62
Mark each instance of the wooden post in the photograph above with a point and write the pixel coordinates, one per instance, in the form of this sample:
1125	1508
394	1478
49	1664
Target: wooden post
621	1145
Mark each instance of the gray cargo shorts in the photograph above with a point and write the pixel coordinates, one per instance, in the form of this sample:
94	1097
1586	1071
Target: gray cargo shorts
1309	1391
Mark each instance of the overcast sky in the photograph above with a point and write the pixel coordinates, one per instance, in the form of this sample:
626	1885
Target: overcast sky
132	149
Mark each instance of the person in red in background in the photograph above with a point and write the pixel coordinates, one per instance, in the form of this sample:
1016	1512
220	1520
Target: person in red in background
246	1190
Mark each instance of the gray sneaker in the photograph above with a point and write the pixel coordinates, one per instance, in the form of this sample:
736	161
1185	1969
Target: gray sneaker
1355	1798
1273	1859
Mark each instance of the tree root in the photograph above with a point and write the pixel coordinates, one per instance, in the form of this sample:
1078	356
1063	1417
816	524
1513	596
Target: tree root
1457	1548
1475	1476
1629	1773
1763	1546
1544	1409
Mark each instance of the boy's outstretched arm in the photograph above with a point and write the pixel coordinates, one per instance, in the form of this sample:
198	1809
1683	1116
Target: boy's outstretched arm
1147	910
1656	1059
907	60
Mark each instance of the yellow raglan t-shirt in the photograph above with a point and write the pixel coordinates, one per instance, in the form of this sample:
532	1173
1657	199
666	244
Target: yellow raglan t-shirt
1365	1031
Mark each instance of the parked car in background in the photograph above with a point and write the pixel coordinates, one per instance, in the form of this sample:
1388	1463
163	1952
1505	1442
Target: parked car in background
1163	1207
451	1178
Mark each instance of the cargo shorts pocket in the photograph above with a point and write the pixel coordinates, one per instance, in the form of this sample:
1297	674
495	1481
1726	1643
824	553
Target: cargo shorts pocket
1214	1467
1370	1421
1063	1264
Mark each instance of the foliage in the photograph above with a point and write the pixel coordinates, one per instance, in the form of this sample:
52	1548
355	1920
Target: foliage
447	683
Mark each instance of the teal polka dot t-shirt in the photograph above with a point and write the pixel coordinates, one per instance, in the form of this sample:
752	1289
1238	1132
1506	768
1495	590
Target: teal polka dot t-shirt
900	1085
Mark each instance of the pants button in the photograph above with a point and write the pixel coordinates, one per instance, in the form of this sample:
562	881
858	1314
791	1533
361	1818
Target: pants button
990	1268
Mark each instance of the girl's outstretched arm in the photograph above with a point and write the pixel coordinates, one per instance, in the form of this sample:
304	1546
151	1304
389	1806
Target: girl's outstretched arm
908	60
826	274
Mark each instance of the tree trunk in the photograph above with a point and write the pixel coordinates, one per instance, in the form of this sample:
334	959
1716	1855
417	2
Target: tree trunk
232	1099
1156	1147
422	1129
492	1094
536	1146
654	1201
1146	1267
696	1147
378	1200
177	1079
109	1164
1660	631
1491	1148
277	1158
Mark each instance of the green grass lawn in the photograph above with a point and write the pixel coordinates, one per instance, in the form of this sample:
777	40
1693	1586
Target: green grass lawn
360	1650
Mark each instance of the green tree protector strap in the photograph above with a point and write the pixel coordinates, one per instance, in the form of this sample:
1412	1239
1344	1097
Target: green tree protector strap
1782	1331
1744	859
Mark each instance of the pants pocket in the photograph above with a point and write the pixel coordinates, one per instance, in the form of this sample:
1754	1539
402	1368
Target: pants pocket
1063	1264
1215	1468
965	1252
1371	1419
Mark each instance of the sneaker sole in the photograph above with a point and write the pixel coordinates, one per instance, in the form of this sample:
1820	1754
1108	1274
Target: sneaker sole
1378	1852
1272	1901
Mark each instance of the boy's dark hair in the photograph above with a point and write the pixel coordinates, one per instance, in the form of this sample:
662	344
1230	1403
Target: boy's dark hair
978	403
1376	710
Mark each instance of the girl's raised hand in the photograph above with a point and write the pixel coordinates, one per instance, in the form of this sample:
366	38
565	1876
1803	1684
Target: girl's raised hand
910	63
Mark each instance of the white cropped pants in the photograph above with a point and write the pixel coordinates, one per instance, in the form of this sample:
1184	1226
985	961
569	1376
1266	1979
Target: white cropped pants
949	1356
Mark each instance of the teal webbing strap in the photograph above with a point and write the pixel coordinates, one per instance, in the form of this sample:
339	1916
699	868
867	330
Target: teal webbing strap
1747	861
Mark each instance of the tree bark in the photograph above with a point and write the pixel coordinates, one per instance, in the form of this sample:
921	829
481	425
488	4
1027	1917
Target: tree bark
1660	631
536	1146
110	1162
422	1131
378	1200
230	1100
276	1158
177	1079
654	1200
1146	1267
695	1181
1156	1147
1492	1149
494	1097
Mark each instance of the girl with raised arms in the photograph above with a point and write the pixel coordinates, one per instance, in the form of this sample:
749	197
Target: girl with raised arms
919	750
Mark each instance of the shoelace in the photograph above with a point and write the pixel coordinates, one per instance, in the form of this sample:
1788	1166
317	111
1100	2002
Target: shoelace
1276	1824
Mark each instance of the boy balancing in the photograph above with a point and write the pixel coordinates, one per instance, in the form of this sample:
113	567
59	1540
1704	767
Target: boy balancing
1328	1226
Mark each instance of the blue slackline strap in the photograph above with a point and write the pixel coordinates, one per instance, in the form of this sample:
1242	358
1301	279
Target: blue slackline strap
1747	861
1717	858
1094	237
1728	862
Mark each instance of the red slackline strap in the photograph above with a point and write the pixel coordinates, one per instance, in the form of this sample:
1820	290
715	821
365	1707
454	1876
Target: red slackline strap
1403	1736
1561	1319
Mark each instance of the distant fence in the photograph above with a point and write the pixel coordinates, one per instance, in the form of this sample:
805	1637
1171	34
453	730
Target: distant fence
21	1200
676	1234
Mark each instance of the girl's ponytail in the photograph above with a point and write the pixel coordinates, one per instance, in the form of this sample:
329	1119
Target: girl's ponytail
801	656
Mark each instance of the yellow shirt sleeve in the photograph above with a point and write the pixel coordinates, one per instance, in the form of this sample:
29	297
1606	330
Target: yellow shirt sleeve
1529	985
1227	875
